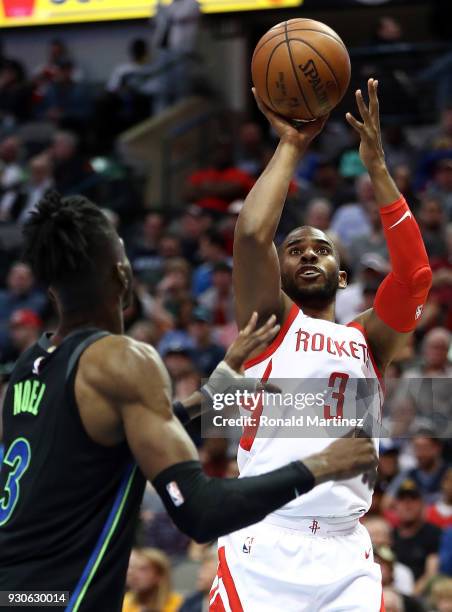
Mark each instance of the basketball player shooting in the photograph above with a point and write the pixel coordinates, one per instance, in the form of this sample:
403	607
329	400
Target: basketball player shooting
313	555
88	416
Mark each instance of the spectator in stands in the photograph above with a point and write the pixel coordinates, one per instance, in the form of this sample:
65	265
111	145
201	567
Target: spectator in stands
441	595
27	197
227	225
20	293
253	152
170	246
386	559
352	300
441	139
71	171
395	72
218	300
440	513
351	220
432	221
328	183
216	186
15	95
435	354
445	553
403	178
439	306
207	353
176	349
199	600
57	53
173	42
157	529
149	583
393	601
137	64
66	102
416	542
430	384
380	534
193	223
371	242
212	250
11	173
441	186
144	331
318	214
147	262
398	150
429	471
25	329
388	462
174	288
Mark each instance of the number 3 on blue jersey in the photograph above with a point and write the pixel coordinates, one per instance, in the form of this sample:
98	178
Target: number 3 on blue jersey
17	459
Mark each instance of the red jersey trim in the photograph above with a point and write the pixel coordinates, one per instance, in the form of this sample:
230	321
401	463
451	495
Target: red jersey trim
359	327
268	352
250	431
223	571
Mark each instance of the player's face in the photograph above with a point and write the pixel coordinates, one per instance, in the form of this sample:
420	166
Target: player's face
309	267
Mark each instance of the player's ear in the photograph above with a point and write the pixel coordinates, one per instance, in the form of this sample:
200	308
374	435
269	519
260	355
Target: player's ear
342	279
123	276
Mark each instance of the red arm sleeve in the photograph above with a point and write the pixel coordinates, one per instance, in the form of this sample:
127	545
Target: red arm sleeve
401	296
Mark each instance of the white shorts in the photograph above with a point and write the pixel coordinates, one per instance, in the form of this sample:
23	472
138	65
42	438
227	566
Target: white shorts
318	567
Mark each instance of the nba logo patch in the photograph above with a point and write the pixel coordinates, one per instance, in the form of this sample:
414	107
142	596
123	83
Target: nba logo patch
419	310
174	492
247	544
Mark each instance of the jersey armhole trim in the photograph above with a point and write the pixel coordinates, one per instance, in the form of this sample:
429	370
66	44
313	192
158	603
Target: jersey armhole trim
360	328
268	352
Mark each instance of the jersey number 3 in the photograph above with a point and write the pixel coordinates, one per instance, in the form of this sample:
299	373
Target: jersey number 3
15	464
338	382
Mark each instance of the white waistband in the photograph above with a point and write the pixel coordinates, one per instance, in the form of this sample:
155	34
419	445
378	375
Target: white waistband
315	525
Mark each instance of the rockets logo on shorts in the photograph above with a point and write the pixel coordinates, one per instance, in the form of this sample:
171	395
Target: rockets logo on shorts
175	493
314	526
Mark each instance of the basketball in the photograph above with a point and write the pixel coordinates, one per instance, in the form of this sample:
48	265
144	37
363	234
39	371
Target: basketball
301	69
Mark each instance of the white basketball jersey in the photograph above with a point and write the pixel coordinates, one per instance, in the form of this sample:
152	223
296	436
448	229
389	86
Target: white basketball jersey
305	350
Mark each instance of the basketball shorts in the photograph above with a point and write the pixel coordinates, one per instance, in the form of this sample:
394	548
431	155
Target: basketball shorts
317	567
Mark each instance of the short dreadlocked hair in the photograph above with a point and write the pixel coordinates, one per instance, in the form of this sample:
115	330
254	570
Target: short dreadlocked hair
66	243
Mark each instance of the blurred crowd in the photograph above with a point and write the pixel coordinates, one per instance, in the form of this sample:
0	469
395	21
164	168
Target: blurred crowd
184	298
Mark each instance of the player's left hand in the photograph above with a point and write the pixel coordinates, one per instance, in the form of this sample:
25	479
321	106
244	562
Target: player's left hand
370	148
249	340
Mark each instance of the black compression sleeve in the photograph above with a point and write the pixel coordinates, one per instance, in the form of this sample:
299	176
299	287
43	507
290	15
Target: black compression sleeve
206	508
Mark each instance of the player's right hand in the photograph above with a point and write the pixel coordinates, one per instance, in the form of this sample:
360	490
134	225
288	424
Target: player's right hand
344	458
300	134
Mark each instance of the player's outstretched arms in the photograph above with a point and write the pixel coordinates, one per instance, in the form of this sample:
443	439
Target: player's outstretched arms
128	379
257	283
227	376
402	295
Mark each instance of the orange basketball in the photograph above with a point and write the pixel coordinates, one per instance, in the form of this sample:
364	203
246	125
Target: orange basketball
301	69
